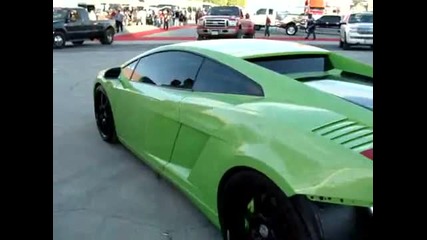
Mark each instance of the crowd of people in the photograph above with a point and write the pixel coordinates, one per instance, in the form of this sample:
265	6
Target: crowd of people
162	18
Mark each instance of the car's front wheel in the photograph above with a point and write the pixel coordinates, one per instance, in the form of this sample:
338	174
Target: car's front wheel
104	116
253	207
59	40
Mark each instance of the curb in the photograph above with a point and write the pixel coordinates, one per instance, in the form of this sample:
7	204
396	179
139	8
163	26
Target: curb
139	35
164	42
194	38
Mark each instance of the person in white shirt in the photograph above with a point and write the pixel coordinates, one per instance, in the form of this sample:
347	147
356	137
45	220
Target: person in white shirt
119	20
92	15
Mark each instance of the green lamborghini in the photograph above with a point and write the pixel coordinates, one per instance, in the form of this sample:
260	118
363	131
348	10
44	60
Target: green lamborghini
270	139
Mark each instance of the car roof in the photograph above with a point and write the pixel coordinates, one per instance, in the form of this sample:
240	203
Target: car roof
247	48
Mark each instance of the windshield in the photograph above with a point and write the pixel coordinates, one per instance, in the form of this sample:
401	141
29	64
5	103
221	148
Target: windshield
224	11
59	14
359	94
361	18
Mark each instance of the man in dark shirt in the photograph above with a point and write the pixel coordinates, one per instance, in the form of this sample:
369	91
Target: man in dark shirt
311	27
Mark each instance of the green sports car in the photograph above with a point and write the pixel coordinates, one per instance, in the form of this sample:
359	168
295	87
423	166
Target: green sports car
270	139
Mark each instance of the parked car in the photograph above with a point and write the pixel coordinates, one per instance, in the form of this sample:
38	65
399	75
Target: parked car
357	29
74	25
265	137
225	22
328	24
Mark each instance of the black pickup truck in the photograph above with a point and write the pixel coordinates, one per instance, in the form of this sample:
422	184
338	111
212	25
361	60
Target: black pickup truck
74	25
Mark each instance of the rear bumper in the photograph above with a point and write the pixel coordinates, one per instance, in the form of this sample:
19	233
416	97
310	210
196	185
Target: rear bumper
217	32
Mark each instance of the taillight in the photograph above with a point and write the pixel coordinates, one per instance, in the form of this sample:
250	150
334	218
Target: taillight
369	153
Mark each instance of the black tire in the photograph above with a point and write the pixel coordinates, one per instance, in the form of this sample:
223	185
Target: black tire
199	38
341	44
104	116
345	45
291	29
257	27
108	37
59	40
240	34
78	43
296	218
251	36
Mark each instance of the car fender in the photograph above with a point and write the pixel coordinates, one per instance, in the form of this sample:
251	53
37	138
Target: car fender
301	164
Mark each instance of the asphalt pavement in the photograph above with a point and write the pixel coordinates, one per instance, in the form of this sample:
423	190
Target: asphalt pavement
102	191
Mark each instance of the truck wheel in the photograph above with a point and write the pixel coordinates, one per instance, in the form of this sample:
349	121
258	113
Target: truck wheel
199	38
108	37
58	40
345	45
240	34
257	27
291	29
78	43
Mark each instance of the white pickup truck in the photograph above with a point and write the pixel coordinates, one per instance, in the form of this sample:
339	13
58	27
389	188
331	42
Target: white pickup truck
357	29
283	19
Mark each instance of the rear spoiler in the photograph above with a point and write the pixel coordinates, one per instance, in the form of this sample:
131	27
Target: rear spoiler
351	68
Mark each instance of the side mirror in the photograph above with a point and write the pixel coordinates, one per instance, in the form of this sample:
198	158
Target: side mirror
113	73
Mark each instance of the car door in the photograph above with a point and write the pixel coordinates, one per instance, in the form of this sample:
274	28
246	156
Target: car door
217	89
74	26
334	25
88	28
151	106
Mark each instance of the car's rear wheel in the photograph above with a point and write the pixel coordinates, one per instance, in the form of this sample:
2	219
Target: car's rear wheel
108	37
253	207
104	116
257	27
291	29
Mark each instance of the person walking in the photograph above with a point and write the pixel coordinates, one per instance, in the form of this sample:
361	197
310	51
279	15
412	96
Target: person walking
311	27
267	27
166	20
119	17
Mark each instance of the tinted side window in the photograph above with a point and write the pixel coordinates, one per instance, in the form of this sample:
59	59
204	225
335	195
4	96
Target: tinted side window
218	78
171	69
261	11
335	19
270	11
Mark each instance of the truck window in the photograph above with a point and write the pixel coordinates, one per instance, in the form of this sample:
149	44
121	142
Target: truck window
261	11
75	16
84	16
270	11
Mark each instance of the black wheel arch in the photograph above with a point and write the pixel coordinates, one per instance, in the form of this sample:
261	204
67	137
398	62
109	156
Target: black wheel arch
63	31
305	205
225	179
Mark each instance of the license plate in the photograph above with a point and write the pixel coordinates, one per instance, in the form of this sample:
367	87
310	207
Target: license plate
214	33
